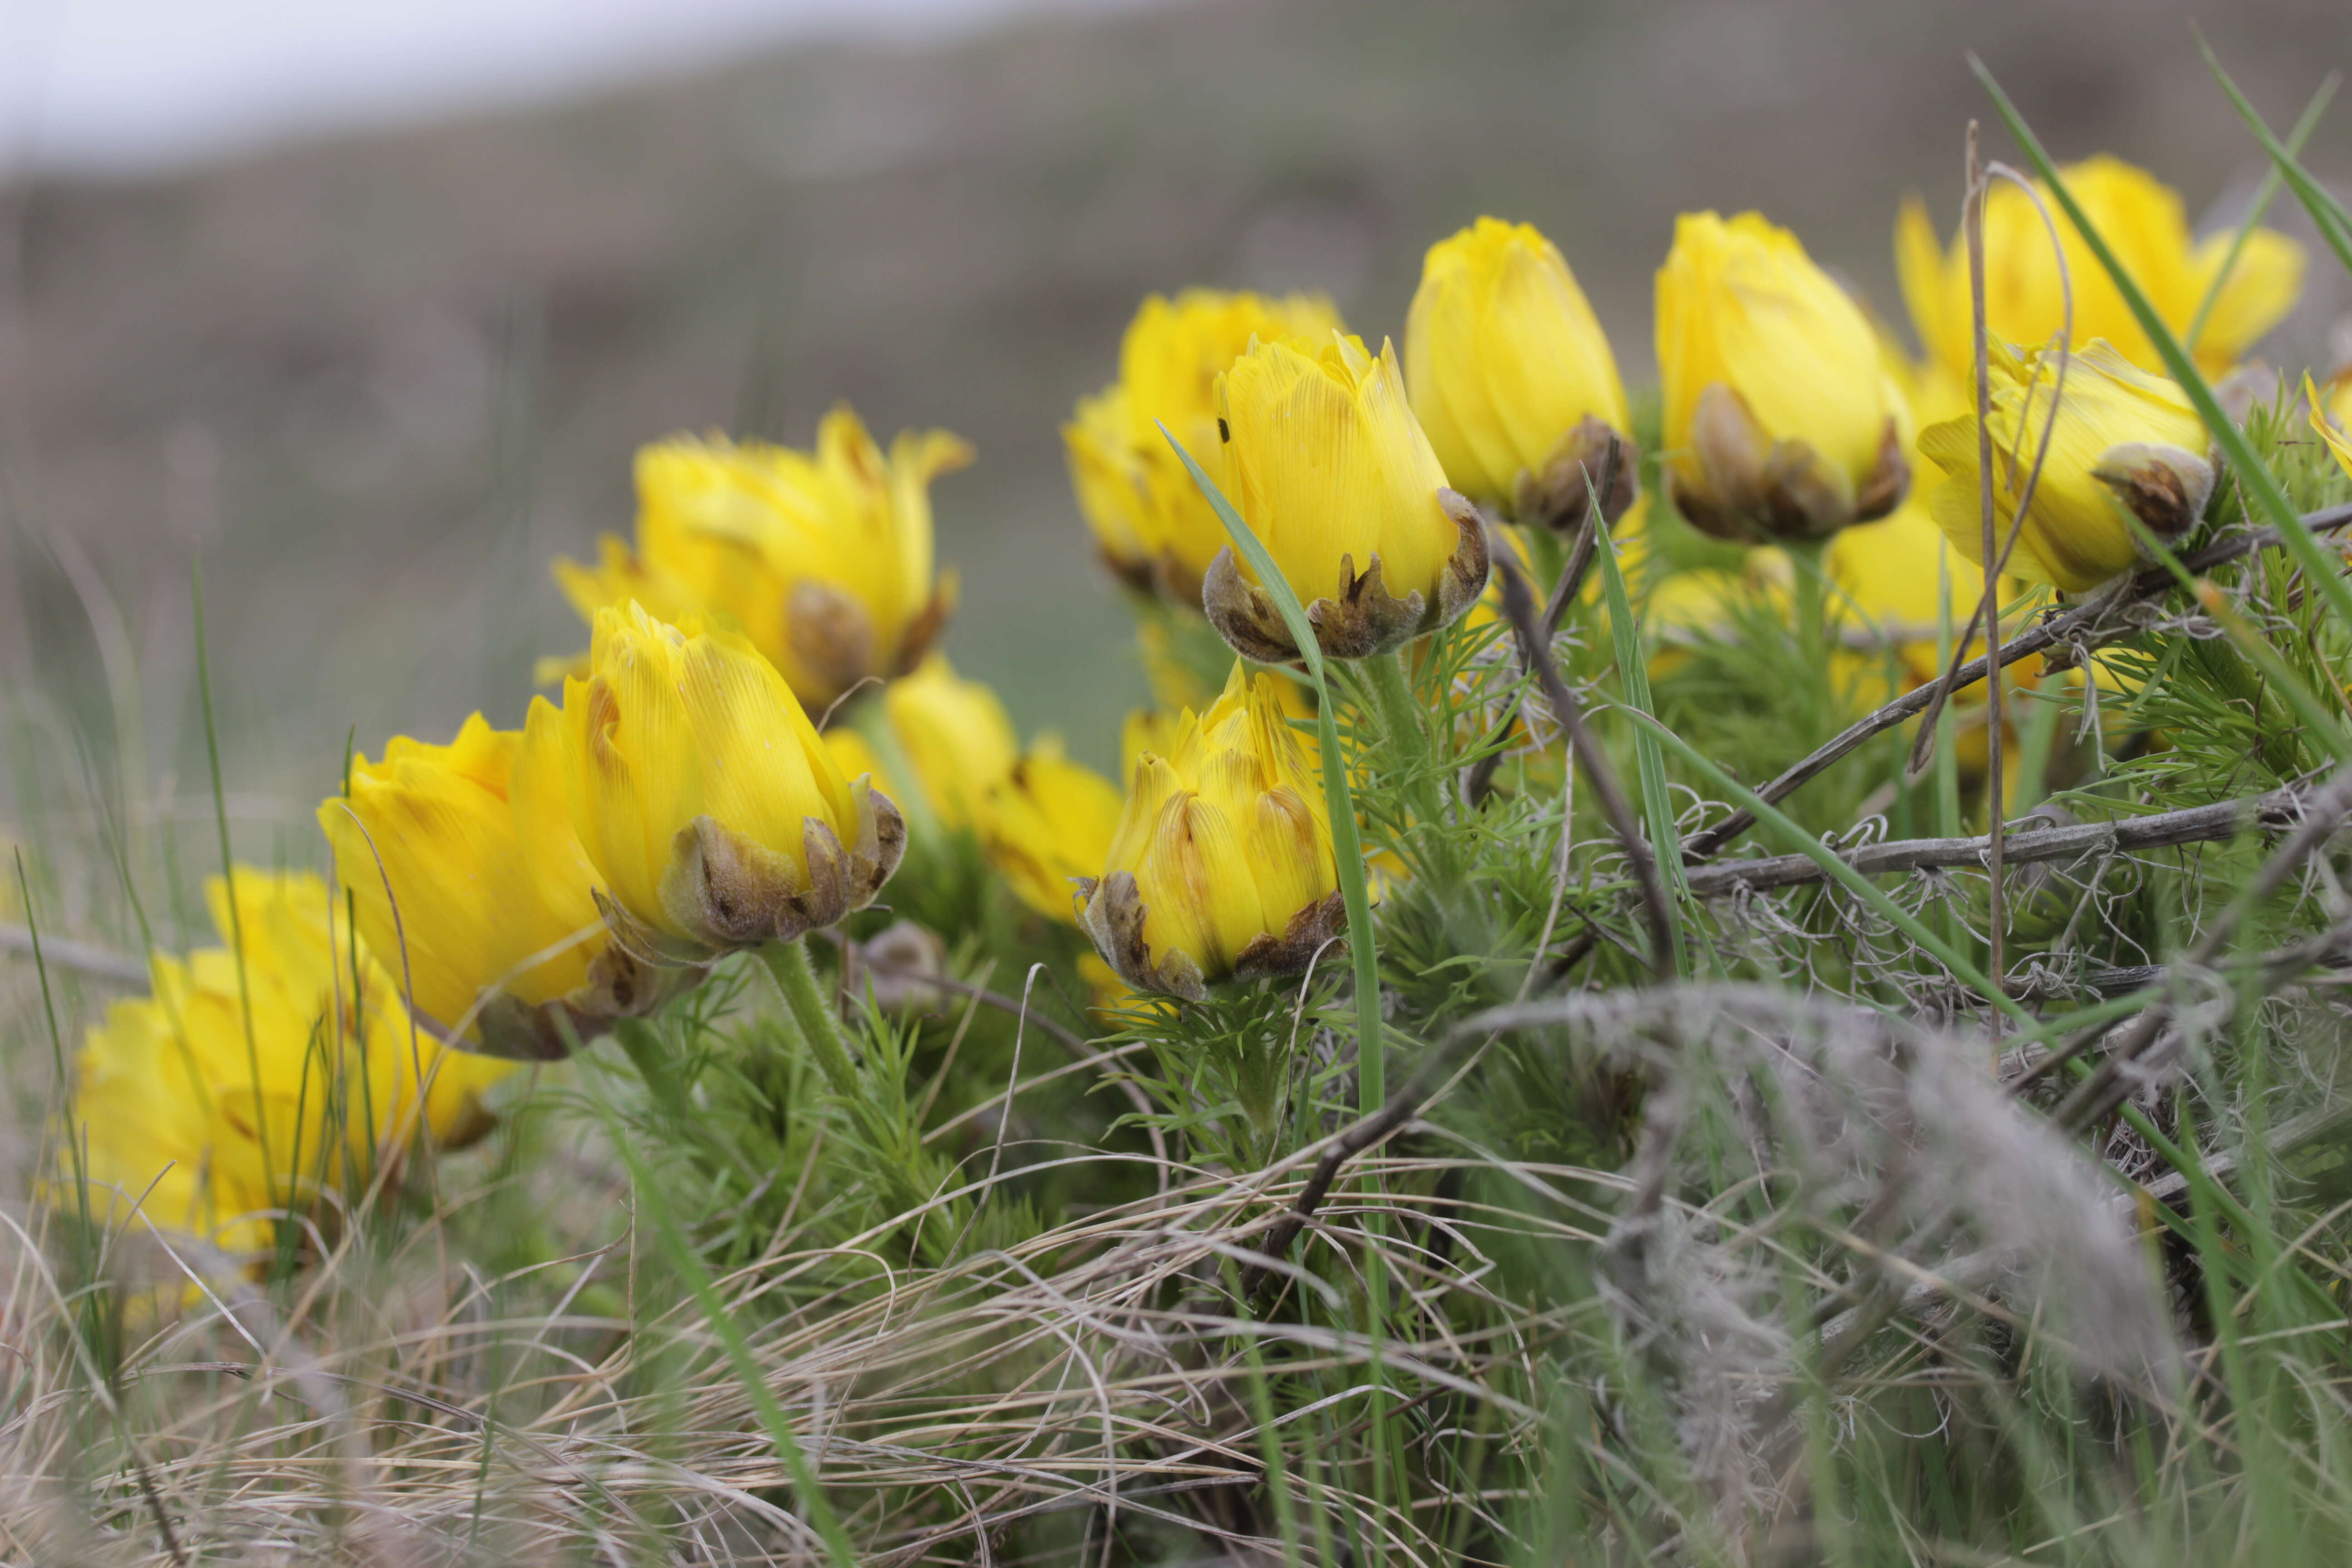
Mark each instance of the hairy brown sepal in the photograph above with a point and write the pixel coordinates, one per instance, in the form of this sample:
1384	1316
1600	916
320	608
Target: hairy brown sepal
2164	487
1363	619
1754	489
728	892
1110	911
1317	926
1560	493
833	638
621	983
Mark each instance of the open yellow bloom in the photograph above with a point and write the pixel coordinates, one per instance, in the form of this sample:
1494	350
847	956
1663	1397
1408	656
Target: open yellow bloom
2331	416
709	809
1047	825
171	1109
2126	441
1153	524
466	876
1780	420
823	559
1333	474
1512	378
2144	224
1222	865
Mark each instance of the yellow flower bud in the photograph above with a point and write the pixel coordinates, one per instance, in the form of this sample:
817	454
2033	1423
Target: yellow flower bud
1222	865
1047	825
1332	473
468	878
2143	223
2331	416
1512	379
822	559
709	809
1152	523
1780	421
171	1107
2125	440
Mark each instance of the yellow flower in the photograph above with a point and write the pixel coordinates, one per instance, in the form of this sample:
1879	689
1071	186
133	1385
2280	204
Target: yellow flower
1047	825
2125	440
954	734
2144	224
1222	865
1780	420
704	800
1512	379
215	1111
822	559
1332	473
1153	524
2332	416
468	878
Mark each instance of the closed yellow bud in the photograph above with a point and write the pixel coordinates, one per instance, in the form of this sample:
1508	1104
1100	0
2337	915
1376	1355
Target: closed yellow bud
1150	521
2331	416
468	878
1780	420
2126	441
276	1083
1047	825
1512	379
822	559
1222	865
711	811
1333	474
2144	225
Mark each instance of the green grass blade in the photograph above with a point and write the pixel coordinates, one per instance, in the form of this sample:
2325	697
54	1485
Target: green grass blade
2264	196
670	1239
236	933
2262	486
1346	849
1649	762
2327	213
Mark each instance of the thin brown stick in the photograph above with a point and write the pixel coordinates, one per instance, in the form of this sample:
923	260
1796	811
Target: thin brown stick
2190	825
1518	605
1479	781
2080	624
1372	1131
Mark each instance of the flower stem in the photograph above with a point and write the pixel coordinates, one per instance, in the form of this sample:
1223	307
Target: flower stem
820	1026
1404	730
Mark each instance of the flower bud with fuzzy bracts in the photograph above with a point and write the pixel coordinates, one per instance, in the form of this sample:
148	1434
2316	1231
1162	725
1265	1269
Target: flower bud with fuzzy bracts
1780	421
714	816
1154	528
2126	442
1221	866
1334	475
822	559
466	874
1512	378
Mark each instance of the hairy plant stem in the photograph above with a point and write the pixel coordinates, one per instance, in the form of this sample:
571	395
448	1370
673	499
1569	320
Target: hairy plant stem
1388	688
788	964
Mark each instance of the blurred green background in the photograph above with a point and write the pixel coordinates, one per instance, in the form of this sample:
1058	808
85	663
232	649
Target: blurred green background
375	383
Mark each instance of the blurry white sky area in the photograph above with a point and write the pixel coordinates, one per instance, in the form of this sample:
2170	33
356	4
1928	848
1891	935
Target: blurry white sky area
125	87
